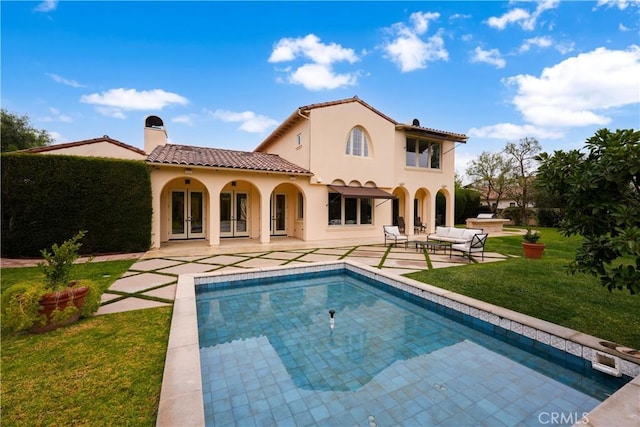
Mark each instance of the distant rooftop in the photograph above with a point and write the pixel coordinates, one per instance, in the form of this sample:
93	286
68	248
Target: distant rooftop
54	147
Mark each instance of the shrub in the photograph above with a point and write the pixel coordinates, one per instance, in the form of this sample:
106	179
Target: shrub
46	198
21	308
549	217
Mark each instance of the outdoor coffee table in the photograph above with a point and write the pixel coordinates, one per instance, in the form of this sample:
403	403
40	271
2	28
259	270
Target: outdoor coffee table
434	245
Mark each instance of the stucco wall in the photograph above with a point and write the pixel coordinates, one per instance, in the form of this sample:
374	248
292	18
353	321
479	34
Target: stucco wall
98	149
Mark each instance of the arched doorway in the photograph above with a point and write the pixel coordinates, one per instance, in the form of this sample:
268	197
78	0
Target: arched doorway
286	210
237	200
441	208
187	201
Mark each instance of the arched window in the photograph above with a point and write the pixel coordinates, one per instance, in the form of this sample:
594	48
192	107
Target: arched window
357	144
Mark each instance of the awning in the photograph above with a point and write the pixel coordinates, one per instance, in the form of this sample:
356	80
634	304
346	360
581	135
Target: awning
361	192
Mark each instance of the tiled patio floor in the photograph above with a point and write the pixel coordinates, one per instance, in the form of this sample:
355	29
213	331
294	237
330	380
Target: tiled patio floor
151	282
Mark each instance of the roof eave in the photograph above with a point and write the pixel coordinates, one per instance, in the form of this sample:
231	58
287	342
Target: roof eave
291	121
228	168
433	133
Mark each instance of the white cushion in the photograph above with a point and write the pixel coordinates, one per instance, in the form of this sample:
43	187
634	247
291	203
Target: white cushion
442	231
460	247
457	233
392	230
468	234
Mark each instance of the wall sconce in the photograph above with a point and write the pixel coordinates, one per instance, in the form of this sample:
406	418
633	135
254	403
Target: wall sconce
188	171
444	186
401	184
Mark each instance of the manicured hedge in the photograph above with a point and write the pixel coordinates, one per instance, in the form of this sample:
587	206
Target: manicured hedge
47	199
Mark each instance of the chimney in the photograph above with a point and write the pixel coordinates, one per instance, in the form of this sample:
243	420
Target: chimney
154	133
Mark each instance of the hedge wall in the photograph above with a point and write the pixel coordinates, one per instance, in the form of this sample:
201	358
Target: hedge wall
47	199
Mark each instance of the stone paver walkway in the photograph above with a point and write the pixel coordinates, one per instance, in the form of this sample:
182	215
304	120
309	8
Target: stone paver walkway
151	282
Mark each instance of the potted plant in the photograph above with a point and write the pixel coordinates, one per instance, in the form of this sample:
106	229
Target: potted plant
532	249
44	305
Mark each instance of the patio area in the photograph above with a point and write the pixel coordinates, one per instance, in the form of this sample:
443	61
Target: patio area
151	281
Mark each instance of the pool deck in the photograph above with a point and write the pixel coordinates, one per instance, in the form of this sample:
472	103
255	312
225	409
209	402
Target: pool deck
151	281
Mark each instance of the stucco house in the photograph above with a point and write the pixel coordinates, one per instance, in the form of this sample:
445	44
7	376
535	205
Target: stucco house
332	170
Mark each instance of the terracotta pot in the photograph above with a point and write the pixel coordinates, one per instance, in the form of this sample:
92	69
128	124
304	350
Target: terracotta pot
533	250
60	300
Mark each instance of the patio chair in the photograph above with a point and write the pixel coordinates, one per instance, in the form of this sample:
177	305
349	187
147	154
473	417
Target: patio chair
401	224
419	226
392	233
475	245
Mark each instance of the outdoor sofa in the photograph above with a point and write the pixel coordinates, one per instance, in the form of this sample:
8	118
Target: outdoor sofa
453	234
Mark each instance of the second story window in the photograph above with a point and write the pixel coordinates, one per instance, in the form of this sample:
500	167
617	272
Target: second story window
357	144
422	153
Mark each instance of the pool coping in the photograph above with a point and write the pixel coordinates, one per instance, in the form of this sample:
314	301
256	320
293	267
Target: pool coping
181	397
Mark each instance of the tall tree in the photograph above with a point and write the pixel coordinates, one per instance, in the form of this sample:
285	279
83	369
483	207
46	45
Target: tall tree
601	191
16	133
522	159
490	175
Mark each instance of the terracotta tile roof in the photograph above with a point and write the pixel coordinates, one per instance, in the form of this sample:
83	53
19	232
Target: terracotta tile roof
105	138
187	155
298	115
440	134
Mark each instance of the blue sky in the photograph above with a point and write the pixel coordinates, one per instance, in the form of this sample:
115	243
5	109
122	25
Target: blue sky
225	74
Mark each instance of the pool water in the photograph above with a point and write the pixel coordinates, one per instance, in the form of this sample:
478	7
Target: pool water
270	356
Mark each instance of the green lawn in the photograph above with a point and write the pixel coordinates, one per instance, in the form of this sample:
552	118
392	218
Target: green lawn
543	289
102	371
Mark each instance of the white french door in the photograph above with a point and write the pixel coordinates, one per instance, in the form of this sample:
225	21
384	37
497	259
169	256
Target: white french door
187	214
234	214
278	225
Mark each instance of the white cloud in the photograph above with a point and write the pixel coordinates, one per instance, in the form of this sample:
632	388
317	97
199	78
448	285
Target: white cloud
546	42
318	74
186	119
57	137
56	116
525	19
575	92
491	56
320	77
113	102
408	49
249	121
565	48
46	6
620	4
579	90
510	131
59	79
312	48
542	42
514	15
459	16
114	113
420	21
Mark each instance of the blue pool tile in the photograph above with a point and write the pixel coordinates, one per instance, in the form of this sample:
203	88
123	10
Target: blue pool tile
405	364
319	413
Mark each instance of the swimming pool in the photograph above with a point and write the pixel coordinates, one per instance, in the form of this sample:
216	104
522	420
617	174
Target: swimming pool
399	353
